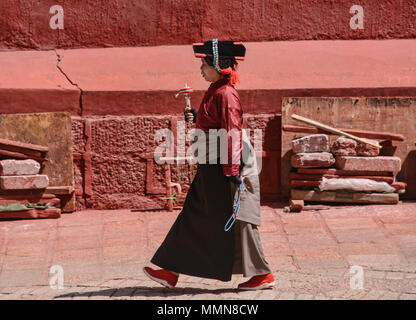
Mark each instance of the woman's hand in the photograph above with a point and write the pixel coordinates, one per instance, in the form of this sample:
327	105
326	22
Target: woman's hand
190	114
235	179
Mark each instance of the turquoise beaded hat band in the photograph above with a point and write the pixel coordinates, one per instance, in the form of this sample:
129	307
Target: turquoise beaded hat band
215	54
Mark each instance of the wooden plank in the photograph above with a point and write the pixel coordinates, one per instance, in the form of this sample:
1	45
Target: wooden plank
18	155
304	183
22	145
317	177
334	171
310	183
26	195
334	130
60	189
51	213
54	201
311	207
376	198
30	153
304	176
353	197
359	133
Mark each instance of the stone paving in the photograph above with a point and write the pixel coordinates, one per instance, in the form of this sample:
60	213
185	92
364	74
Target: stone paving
354	252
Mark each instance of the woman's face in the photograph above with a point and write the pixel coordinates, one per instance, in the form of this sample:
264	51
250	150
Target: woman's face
208	72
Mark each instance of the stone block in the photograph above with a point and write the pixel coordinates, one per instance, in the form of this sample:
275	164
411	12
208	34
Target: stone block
296	205
344	147
348	147
29	182
367	150
311	143
11	167
312	160
372	164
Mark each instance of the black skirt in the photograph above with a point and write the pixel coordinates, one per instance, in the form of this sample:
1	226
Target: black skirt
197	244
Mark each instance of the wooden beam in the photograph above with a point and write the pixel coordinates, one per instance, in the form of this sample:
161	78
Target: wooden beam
315	183
26	195
22	145
317	177
19	155
333	171
334	130
54	201
51	213
60	189
347	197
359	133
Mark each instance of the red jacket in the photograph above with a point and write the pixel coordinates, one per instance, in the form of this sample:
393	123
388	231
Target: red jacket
221	108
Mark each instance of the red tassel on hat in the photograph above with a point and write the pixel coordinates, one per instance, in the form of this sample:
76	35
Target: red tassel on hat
226	71
234	78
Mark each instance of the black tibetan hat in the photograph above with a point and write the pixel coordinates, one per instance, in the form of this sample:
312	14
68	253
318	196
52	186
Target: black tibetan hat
223	49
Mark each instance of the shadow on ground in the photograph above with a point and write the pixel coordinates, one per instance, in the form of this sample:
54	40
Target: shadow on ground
275	205
146	292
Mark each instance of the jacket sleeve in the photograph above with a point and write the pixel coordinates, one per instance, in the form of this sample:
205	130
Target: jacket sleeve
231	115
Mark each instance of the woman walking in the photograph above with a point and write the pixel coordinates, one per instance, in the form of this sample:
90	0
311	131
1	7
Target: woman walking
203	242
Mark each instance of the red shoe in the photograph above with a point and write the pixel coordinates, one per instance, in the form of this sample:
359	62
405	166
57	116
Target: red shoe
162	276
264	281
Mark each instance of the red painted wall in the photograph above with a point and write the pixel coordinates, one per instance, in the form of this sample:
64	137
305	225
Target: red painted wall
119	97
108	93
100	23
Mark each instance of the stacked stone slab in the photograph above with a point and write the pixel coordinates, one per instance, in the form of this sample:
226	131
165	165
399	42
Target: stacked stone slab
348	147
313	160
363	157
311	151
21	175
21	183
